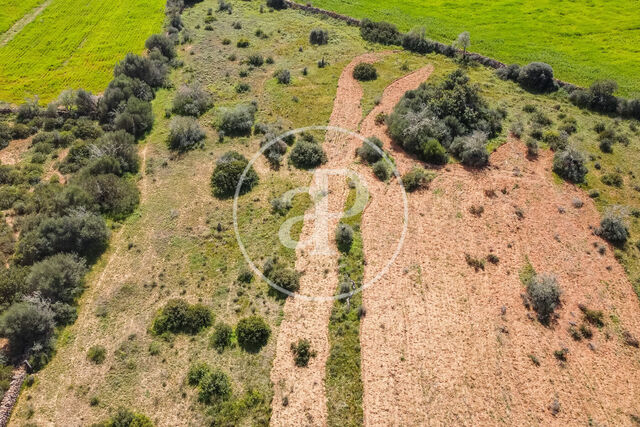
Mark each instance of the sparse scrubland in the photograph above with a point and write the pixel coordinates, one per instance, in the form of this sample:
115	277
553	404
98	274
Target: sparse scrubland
117	223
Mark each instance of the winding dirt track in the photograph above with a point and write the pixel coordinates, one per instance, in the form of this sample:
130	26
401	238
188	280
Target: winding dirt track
304	387
436	348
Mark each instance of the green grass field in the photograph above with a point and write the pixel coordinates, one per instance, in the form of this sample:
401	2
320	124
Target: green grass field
73	44
13	10
583	41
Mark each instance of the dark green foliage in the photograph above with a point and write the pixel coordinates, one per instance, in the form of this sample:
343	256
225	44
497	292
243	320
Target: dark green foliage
544	295
599	97
443	112
239	120
434	152
281	275
557	141
114	196
227	174
214	386
178	316
379	32
569	164
302	352
25	325
118	146
416	179
136	118
612	179
510	72
21	131
242	87
83	233
162	43
365	72
367	151
185	134
382	170
120	89
197	372
59	277
150	71
537	77
277	4
283	76
221	337
192	101
594	317
255	60
319	36
613	229
126	418
307	154
252	333
97	354
242	43
344	237
471	149
28	110
415	41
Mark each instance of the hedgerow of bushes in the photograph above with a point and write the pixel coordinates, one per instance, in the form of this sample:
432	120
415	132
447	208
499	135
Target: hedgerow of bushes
178	316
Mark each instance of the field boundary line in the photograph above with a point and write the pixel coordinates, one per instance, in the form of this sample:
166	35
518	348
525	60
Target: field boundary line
28	18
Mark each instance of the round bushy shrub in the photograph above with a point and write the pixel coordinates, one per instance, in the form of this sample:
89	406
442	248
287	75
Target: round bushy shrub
97	354
319	36
510	72
434	152
416	179
613	229
379	32
178	316
252	333
367	151
569	164
277	4
59	277
114	196
537	77
163	43
185	134
214	386
302	352
344	237
281	275
544	294
136	118
381	170
239	120
25	325
197	372
227	173
283	76
221	337
307	154
191	101
365	72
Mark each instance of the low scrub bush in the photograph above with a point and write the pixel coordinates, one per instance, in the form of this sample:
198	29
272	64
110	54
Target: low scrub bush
569	164
197	371
226	176
613	229
281	275
255	60
537	77
277	4
544	295
510	72
319	36
242	43
302	352
214	386
612	179
594	317
283	76
367	152
415	41
126	418
365	72
238	121
185	134
178	316
307	154
433	152
380	32
97	354
344	237
416	179
382	170
221	337
192	101
252	333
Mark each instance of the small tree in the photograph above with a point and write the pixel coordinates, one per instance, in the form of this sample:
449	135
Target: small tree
464	41
185	134
215	385
307	154
613	229
228	172
544	294
252	333
344	237
221	337
27	325
319	36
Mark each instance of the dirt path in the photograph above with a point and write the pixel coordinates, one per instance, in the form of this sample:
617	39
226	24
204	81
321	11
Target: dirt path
436	348
304	387
12	154
8	35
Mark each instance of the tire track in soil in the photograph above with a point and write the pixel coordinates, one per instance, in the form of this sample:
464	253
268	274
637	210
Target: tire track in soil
438	351
304	387
8	35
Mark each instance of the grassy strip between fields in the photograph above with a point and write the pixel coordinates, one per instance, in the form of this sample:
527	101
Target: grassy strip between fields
343	377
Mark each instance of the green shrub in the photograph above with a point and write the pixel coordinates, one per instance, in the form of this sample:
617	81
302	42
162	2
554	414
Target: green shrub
307	154
255	60
379	32
365	72
97	354
252	333
569	164
510	72
344	237
197	371
382	170
532	147
471	150
59	277
238	121
242	43
537	77
302	352
163	43
191	100
178	316
221	337
594	317
281	275
281	206
277	4
283	76
557	141
116	197
226	176
27	325
145	68
612	179
185	134
544	294
416	179
613	229
367	151
434	152
136	118
126	418
319	36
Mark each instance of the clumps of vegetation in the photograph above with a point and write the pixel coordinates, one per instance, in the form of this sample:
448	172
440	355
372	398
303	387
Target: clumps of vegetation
382	170
476	210
380	32
192	100
536	77
221	337
178	316
226	176
163	44
434	152
318	36
307	153
97	354
569	164
242	43
277	4
594	317
365	72
281	206
126	418
416	179
600	97
283	76
255	60
197	371
344	237
238	121
368	152
447	112
281	275
302	352
543	293
252	333
213	385
185	134
476	263
613	229
613	179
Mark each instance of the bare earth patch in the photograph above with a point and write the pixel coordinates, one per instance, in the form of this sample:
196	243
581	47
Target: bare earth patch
12	154
436	346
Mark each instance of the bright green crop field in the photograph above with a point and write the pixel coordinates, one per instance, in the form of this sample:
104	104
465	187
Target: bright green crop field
73	44
582	40
12	10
